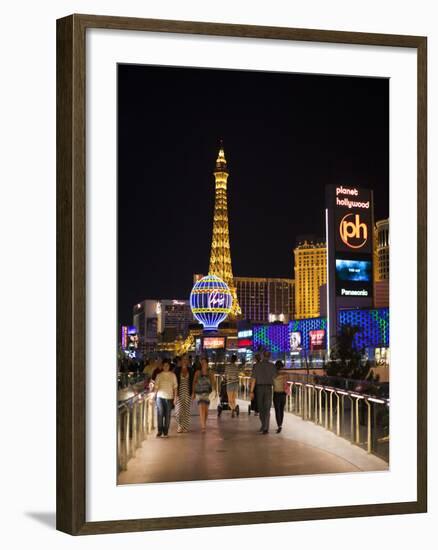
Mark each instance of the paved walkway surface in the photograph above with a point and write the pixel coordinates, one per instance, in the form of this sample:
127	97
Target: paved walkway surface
233	448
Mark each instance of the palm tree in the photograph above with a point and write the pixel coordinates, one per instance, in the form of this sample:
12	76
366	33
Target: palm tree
346	360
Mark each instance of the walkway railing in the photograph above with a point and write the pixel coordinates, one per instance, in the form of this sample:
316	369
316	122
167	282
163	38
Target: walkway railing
126	379
376	389
135	419
361	418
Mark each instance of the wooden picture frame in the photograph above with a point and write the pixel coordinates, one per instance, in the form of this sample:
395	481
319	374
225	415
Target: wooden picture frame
71	272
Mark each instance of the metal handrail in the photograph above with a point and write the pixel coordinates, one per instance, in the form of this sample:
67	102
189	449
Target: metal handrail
130	400
126	379
135	420
356	416
360	386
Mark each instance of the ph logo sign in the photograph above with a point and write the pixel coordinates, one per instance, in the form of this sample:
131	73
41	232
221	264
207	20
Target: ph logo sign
353	232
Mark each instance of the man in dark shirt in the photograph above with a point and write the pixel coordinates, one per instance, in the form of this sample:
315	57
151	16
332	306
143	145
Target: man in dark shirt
263	375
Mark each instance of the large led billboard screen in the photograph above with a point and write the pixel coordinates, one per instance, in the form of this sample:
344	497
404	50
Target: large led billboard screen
353	270
354	277
130	341
214	342
317	339
132	337
295	341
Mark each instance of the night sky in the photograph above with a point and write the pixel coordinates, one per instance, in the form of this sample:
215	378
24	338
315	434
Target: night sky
285	137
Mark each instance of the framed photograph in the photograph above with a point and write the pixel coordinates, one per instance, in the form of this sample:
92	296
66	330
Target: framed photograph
232	204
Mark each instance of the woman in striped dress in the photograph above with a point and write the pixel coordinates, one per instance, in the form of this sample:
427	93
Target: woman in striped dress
185	380
232	380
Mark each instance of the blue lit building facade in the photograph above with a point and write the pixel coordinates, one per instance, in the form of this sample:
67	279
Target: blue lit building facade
308	337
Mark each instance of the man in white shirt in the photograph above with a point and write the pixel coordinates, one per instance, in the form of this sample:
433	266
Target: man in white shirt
166	393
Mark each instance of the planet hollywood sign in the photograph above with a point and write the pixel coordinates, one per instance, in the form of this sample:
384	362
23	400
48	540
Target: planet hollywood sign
353	219
346	202
353	232
349	231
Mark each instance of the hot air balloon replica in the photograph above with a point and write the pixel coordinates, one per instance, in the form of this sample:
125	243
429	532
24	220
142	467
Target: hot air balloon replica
211	301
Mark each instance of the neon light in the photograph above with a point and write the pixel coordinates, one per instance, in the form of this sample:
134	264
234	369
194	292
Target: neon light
274	338
327	284
124	337
214	343
374	325
346	191
316	339
356	230
308	326
245	343
352	204
211	301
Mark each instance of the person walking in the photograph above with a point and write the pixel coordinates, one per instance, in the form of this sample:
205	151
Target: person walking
253	402
232	381
184	375
165	389
280	386
263	375
203	384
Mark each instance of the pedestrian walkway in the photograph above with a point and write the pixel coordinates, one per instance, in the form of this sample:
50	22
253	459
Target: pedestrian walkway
233	448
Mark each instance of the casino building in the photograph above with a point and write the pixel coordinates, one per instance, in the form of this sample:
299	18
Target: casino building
381	263
264	299
337	282
161	321
382	250
310	265
305	340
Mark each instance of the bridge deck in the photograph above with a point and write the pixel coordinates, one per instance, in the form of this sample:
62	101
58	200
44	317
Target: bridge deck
232	448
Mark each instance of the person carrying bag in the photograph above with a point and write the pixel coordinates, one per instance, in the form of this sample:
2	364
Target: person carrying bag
203	384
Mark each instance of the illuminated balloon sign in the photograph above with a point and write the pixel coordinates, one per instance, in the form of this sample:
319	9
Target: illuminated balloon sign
210	301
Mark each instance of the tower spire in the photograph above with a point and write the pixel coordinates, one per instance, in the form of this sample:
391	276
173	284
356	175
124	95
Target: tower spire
220	257
221	162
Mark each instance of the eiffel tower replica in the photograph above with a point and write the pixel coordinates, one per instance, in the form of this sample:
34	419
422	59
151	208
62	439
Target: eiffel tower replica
220	257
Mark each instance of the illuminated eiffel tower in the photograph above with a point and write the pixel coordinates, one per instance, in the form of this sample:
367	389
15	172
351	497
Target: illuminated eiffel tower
220	257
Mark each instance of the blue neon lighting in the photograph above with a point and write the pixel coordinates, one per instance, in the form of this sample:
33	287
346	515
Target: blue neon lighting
210	301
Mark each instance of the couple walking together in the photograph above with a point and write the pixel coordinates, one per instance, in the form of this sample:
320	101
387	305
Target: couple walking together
173	389
267	384
178	389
